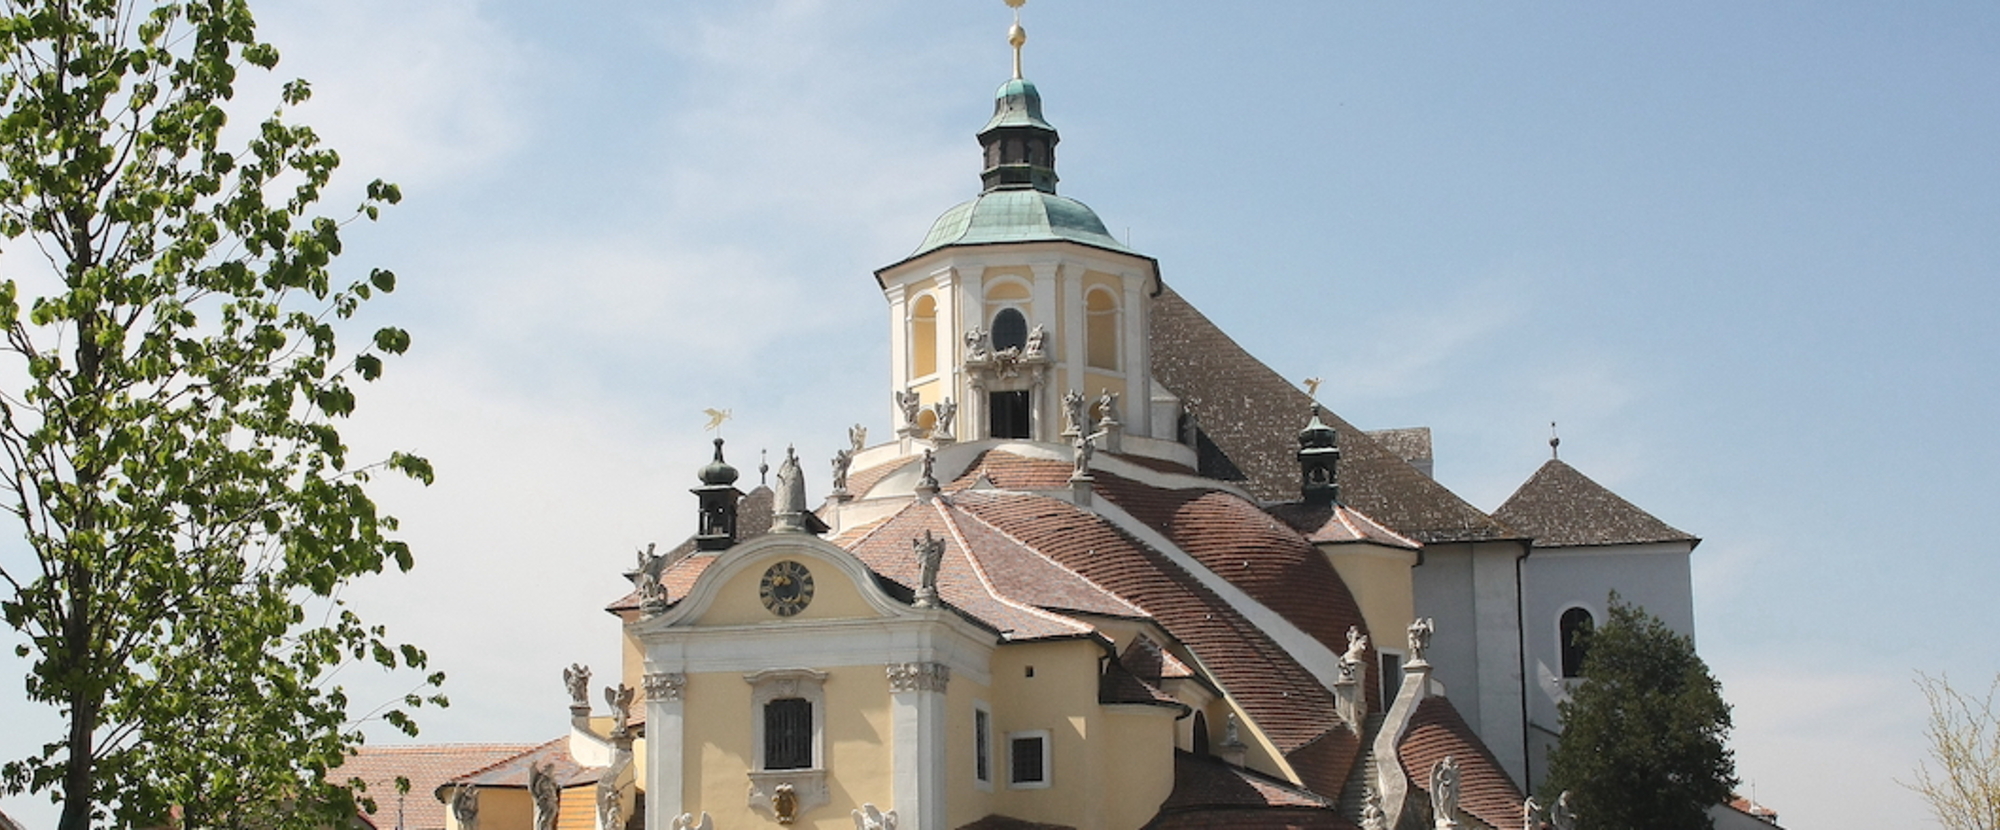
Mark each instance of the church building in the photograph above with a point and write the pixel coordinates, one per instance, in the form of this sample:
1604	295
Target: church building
1104	570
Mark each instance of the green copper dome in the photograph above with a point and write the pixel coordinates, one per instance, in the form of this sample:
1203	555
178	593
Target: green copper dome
1017	104
1022	215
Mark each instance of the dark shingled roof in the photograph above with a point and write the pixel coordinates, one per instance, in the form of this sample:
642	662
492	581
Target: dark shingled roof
1251	416
1000	822
1561	507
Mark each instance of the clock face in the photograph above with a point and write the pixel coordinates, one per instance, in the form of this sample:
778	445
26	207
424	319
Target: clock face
787	588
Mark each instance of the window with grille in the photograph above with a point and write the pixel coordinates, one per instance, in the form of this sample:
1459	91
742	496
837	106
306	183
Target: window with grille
1028	759
1575	627
788	734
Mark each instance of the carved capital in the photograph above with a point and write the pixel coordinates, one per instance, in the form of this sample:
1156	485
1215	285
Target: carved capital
918	677
665	685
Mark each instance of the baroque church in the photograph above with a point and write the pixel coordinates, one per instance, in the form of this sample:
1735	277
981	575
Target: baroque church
1107	571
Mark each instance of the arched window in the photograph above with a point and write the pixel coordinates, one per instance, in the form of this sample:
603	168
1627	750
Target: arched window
1200	734
923	336
1010	330
1575	629
1100	332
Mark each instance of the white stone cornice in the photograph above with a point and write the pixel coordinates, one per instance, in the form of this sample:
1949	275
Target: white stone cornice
918	677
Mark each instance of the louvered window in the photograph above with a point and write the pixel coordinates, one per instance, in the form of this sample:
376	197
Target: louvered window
982	745
1029	760
788	733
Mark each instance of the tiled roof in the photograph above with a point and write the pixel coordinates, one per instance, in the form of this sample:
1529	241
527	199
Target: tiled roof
966	583
426	766
1205	781
859	482
1236	540
1561	507
1437	731
1339	524
1119	685
1253	416
1000	822
1250	818
1281	697
512	772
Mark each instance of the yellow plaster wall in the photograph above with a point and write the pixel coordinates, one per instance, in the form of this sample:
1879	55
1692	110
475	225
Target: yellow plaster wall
508	809
1379	579
834	595
1061	698
966	801
1138	765
719	730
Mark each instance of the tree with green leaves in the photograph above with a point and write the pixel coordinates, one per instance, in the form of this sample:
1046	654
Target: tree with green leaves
1963	790
1643	744
170	394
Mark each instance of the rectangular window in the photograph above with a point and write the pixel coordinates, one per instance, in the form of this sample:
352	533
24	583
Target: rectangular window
788	734
1392	677
982	746
1008	414
1028	759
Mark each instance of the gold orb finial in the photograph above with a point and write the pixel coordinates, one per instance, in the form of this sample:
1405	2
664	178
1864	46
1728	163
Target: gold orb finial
1017	36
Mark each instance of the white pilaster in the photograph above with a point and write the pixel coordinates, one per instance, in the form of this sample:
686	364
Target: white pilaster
1047	421
899	347
1074	350
917	722
1138	366
664	755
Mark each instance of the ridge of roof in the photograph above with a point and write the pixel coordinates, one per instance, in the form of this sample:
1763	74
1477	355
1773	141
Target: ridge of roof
1339	524
1251	416
1559	506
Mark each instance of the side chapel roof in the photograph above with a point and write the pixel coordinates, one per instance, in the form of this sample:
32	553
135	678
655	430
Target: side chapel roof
427	767
1561	507
1437	731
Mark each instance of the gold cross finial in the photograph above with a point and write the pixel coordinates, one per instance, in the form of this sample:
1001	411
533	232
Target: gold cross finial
1017	36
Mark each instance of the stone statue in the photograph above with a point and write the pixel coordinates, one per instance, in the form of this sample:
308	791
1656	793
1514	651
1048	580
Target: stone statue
1073	411
1420	640
947	411
930	554
975	345
611	808
870	818
910	403
1037	340
785	803
547	794
1357	645
687	822
1085	447
1372	817
1444	793
928	479
652	593
1107	407
620	700
577	678
1530	814
857	438
842	459
1232	732
1562	815
465	806
789	509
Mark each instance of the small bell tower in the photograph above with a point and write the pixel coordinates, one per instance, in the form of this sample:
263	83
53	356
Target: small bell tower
718	497
1319	462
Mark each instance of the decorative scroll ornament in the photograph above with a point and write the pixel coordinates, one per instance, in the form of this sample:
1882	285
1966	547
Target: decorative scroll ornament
665	685
785	803
685	821
1372	817
918	677
930	555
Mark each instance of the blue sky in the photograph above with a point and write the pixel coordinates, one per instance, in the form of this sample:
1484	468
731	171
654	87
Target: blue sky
1745	254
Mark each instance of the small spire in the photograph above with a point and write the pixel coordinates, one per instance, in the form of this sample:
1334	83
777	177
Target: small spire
1555	441
763	468
1016	35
